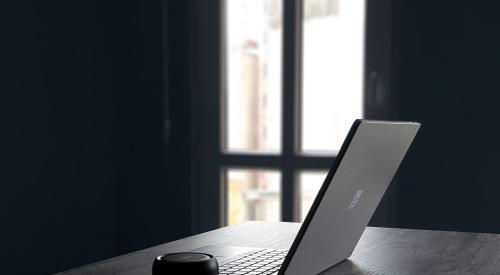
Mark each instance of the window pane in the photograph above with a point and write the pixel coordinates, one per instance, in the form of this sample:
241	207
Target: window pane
332	94
253	75
253	195
310	183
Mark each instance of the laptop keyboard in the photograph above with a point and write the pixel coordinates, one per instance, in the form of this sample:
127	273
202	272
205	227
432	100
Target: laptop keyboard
256	262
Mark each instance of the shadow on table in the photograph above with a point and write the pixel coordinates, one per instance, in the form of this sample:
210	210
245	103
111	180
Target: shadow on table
345	267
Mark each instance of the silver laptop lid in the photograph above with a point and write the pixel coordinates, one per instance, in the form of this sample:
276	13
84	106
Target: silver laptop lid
359	177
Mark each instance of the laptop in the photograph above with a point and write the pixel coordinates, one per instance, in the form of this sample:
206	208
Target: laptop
352	190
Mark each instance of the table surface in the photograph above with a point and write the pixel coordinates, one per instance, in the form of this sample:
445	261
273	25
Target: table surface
380	250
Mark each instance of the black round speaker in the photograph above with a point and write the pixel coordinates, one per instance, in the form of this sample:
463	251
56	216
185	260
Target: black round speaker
186	263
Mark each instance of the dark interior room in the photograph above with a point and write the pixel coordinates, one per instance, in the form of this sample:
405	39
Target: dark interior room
130	127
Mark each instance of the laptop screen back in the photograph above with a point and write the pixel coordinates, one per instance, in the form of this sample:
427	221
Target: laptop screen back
357	181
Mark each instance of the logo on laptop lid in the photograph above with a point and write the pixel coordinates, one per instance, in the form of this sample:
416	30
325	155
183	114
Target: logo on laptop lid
355	199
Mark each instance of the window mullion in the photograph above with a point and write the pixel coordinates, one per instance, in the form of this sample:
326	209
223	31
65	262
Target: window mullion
292	42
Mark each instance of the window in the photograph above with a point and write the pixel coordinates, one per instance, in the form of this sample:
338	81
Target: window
253	76
309	185
278	94
330	99
332	79
253	195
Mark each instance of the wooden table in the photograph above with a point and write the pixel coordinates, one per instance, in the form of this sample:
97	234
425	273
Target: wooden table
380	251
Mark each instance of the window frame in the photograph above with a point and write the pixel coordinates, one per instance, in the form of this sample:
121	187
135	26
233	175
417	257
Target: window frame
208	98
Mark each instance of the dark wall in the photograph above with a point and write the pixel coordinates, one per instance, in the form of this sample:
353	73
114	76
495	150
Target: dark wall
152	163
57	194
87	169
448	65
